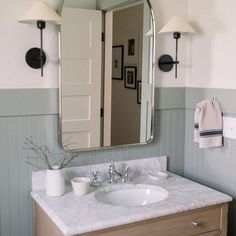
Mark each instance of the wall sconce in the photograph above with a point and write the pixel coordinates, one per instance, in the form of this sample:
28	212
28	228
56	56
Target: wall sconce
176	26
40	13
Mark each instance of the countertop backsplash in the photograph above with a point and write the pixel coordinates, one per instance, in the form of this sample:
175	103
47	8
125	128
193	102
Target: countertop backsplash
137	167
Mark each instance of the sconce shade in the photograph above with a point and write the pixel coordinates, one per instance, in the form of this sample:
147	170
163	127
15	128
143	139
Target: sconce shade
177	24
40	11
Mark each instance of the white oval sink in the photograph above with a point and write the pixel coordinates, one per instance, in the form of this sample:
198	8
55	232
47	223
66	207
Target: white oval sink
131	195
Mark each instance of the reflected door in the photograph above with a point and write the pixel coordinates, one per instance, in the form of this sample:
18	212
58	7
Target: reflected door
81	77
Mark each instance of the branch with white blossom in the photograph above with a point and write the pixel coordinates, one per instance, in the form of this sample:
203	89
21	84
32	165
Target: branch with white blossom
44	154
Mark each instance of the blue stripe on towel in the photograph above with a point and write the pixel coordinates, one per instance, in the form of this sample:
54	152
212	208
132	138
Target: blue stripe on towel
211	133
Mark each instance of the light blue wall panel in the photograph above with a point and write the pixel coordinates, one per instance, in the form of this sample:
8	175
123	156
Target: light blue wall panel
15	173
173	137
214	167
22	102
170	98
226	97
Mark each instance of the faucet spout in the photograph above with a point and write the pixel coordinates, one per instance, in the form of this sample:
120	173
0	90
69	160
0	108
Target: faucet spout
115	175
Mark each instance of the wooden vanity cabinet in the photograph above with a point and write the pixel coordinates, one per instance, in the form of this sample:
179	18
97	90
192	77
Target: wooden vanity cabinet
209	221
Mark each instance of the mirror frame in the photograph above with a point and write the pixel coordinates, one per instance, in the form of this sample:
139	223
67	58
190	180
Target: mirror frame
153	56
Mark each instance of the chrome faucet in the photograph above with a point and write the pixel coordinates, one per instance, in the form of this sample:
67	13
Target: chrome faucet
115	176
95	181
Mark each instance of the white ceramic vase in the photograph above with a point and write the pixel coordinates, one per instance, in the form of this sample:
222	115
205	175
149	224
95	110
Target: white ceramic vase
55	183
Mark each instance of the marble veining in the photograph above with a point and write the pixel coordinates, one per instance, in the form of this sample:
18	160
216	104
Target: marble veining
76	215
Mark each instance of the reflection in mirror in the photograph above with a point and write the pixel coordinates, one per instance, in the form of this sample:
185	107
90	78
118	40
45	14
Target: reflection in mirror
107	90
125	110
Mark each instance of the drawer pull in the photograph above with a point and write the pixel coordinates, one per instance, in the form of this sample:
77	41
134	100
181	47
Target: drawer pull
195	223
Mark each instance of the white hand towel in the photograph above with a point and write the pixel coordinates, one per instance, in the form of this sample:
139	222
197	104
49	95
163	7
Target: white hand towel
208	130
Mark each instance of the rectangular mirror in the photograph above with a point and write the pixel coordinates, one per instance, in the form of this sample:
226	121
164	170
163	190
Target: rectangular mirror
107	70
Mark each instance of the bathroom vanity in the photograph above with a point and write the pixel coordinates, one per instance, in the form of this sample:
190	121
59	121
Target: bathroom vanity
189	209
209	221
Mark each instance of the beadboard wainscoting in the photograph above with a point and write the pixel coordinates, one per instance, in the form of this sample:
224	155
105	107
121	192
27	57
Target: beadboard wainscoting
215	167
33	112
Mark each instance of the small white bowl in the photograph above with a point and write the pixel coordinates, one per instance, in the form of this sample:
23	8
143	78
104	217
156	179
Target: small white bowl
80	185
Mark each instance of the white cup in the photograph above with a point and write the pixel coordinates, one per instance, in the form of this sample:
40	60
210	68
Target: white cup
80	185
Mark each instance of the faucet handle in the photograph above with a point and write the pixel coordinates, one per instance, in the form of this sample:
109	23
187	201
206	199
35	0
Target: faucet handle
95	182
126	169
95	174
112	166
112	163
112	171
126	177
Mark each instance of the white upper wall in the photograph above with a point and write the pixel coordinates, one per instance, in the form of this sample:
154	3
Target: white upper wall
210	61
17	38
164	11
212	50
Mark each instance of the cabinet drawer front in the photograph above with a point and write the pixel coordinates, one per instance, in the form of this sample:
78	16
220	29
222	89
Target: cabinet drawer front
192	223
213	233
206	220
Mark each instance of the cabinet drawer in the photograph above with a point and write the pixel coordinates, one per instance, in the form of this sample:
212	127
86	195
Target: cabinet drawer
212	221
178	225
192	223
212	233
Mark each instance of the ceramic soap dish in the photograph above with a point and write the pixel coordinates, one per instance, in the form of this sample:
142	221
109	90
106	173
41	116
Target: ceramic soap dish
158	175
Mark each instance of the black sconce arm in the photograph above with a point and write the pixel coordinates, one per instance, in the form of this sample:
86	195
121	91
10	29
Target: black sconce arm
36	57
41	25
166	62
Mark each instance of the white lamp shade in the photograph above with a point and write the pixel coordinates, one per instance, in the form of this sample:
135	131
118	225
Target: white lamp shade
177	24
40	11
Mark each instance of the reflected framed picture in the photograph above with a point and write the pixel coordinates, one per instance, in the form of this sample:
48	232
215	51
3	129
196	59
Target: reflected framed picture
117	62
131	47
130	77
139	92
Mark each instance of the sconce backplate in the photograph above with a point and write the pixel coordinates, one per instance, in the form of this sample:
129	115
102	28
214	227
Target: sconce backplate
166	63
32	58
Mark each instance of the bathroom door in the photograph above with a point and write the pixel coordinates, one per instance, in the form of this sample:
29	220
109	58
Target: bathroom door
81	76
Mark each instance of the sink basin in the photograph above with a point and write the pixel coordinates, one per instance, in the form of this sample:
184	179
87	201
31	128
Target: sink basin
131	195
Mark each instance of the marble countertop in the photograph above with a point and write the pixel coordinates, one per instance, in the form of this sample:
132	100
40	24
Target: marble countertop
76	215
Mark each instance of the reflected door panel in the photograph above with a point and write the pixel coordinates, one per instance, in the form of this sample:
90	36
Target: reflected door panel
81	77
